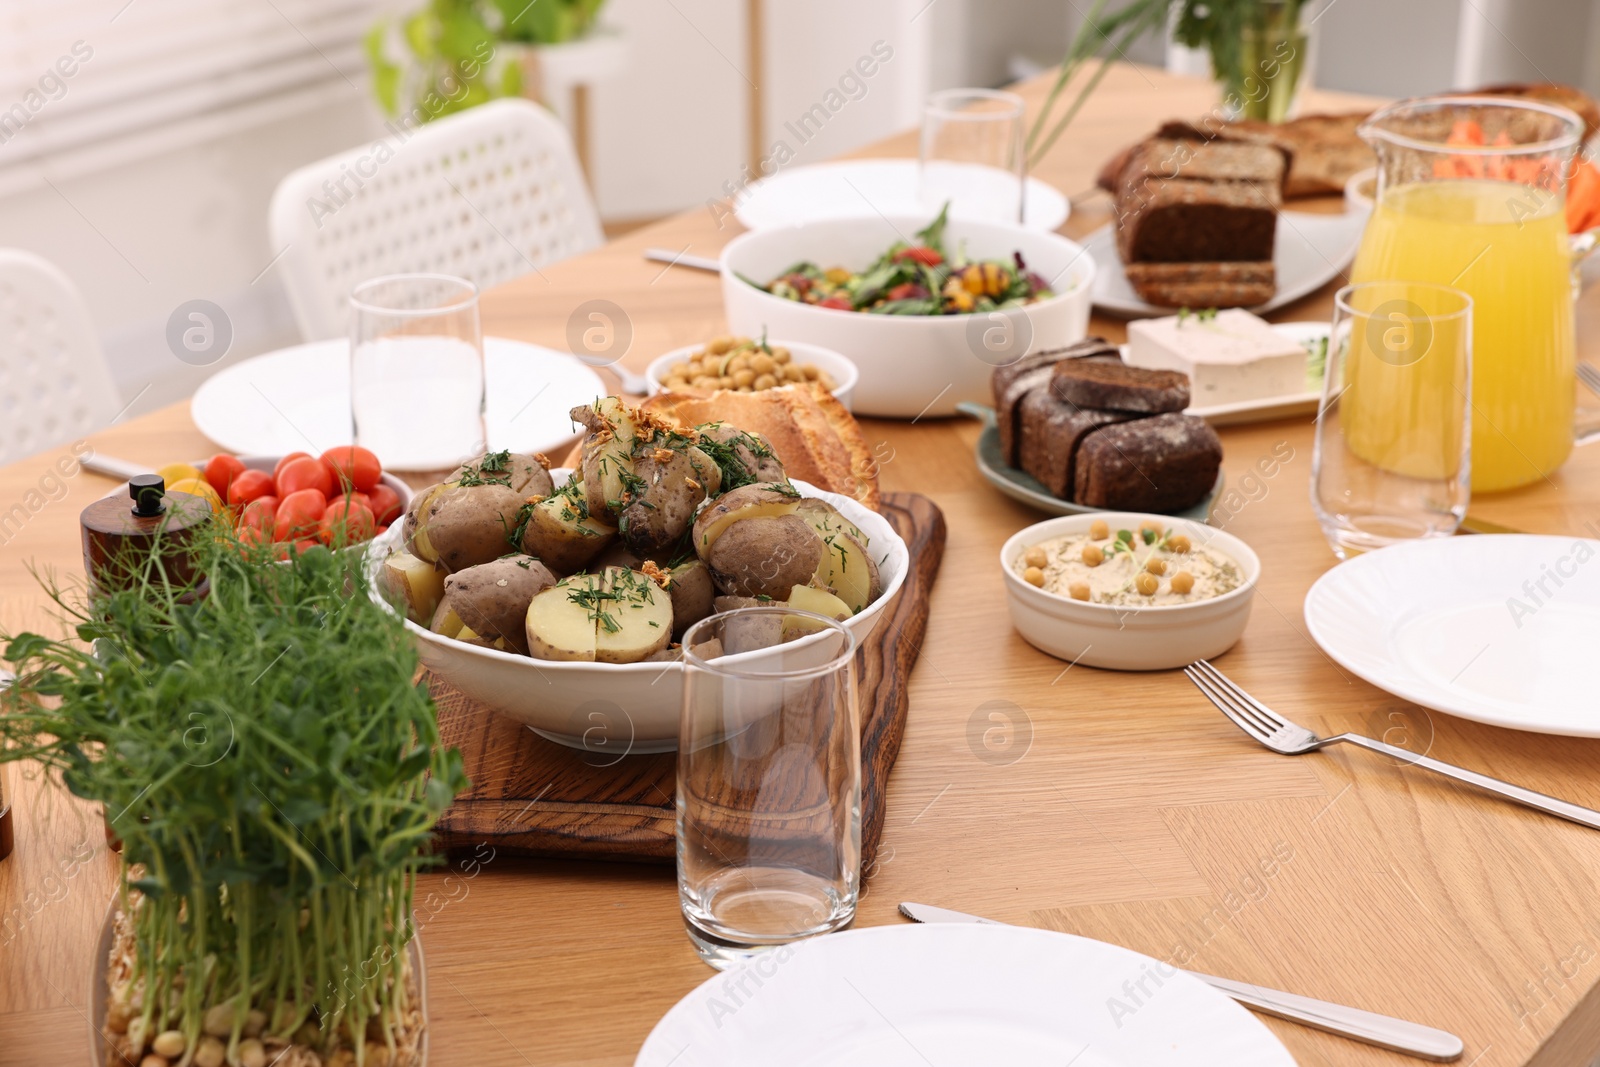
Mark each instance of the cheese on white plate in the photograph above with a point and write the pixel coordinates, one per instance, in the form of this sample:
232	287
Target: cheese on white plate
1230	357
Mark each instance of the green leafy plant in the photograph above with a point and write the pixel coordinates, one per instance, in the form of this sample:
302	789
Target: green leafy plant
273	772
1237	33
449	57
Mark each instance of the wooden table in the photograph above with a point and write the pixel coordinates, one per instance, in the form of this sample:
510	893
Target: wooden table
1126	808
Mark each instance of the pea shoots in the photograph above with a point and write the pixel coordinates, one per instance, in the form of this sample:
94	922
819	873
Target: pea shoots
273	772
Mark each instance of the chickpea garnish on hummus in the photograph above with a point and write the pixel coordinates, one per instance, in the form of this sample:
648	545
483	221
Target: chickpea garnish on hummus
1147	567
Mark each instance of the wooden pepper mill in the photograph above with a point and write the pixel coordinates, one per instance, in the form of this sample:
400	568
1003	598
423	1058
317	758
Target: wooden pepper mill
118	538
5	819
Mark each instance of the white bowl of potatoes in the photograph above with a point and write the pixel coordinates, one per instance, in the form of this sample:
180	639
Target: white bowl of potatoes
537	592
751	365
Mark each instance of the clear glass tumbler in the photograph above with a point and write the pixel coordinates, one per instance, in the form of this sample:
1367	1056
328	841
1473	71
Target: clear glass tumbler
973	154
769	781
416	371
1392	458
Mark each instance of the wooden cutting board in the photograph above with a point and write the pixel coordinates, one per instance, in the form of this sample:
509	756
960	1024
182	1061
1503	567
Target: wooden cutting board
534	797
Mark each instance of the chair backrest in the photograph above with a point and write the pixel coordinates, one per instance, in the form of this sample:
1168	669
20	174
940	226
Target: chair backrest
55	384
487	194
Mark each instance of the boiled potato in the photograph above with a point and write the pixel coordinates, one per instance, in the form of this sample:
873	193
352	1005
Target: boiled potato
634	620
846	567
667	485
492	598
560	532
561	620
765	555
528	475
746	502
747	457
419	504
847	570
445	623
607	456
416	585
463	526
692	591
819	601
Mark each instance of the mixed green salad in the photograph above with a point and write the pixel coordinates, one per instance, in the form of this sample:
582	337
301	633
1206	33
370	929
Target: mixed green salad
919	278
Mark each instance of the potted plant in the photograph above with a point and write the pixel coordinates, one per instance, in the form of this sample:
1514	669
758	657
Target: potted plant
454	54
273	772
1260	51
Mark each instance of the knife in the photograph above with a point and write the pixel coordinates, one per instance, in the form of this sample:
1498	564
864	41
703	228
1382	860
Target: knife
1397	1035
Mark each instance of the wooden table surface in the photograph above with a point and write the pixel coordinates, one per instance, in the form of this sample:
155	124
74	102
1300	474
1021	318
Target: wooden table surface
1122	806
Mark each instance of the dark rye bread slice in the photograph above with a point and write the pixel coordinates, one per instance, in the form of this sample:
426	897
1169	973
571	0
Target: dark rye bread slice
1118	387
1203	285
1186	201
1166	463
1014	381
1051	429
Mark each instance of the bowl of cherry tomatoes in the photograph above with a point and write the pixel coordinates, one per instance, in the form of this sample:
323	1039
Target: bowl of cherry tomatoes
341	497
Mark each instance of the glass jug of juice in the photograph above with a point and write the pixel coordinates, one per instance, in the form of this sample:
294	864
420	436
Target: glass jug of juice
1471	195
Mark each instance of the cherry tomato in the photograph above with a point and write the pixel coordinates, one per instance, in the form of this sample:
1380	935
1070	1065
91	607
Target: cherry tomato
299	514
252	535
919	254
259	515
353	465
385	503
248	486
840	302
305	473
346	523
284	550
286	460
221	470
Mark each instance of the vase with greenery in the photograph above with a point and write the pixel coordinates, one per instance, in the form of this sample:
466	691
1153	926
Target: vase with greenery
1259	54
447	56
272	772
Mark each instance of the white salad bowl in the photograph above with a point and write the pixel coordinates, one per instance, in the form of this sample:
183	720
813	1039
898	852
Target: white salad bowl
1129	637
840	369
611	708
911	365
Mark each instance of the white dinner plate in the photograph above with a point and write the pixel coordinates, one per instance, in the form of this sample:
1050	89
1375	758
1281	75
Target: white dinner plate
866	187
298	399
910	996
1497	628
1311	250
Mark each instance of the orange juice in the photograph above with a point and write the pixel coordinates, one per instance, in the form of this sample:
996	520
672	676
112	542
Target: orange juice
1506	245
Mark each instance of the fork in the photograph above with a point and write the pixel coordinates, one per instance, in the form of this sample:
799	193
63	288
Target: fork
1283	736
1589	375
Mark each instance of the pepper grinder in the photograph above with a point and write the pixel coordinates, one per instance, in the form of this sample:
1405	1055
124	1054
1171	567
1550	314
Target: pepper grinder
117	538
5	808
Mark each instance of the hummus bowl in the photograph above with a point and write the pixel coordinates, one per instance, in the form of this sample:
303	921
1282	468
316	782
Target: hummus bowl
1135	619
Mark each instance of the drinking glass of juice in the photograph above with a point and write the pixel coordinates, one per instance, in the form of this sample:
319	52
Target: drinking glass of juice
1392	457
1472	195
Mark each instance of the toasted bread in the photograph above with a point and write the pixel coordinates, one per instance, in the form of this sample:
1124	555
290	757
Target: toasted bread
813	435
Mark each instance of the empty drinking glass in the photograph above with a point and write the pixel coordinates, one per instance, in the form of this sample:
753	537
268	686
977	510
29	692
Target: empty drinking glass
769	781
416	371
1392	458
972	154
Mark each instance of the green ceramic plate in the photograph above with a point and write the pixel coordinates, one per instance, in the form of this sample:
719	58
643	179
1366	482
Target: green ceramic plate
1022	487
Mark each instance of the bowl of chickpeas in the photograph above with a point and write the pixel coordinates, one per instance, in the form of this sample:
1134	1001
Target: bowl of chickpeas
751	365
1129	591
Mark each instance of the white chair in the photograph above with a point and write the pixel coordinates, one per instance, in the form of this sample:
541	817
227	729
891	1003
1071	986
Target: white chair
55	384
487	194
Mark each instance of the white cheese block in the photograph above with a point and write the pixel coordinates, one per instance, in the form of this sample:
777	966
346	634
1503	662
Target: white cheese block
1230	358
